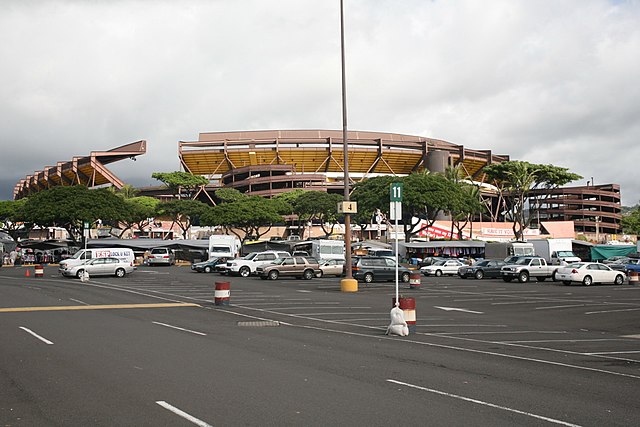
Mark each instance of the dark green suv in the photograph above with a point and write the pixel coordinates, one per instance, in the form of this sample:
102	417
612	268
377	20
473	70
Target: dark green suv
377	268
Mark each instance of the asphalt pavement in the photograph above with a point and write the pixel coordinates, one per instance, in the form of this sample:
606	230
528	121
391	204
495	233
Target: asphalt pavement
153	349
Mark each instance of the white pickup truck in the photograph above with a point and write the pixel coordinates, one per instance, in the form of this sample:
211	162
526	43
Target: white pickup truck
527	267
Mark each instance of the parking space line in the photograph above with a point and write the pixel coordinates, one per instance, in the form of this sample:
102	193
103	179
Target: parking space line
180	329
44	340
612	311
483	403
182	414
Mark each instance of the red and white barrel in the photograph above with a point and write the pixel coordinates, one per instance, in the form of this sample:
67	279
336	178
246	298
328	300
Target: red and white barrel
414	280
634	277
39	271
408	307
222	293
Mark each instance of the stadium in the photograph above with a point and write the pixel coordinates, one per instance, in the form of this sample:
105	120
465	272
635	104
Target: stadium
269	162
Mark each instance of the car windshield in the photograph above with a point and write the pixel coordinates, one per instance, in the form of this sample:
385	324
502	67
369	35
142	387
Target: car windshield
575	265
278	261
481	263
439	263
523	261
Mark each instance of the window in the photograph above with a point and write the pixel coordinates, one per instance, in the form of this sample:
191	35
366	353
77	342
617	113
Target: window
390	262
535	263
288	261
300	260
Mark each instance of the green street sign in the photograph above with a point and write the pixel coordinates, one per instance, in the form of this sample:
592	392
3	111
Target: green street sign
396	192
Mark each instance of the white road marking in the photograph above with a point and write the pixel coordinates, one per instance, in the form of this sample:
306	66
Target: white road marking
182	414
181	329
614	352
44	340
303	290
612	311
480	402
459	309
78	301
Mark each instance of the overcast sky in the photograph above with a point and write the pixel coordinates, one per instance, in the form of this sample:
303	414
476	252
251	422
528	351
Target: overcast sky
543	81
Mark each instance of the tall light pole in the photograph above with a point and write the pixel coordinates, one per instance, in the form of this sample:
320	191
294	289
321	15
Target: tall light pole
347	283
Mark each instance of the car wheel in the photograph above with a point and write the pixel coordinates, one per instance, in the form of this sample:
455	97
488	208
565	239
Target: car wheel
245	272
587	281
307	275
207	269
368	278
319	275
523	277
438	273
566	282
120	272
553	276
619	280
273	275
79	273
405	277
479	274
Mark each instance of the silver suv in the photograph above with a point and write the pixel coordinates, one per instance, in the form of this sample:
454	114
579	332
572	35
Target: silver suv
247	265
163	256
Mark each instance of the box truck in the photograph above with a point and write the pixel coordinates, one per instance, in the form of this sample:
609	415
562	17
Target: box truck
555	251
223	245
503	250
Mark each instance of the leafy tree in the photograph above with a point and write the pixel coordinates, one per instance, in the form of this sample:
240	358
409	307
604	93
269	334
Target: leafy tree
250	214
181	182
140	211
516	180
631	222
466	205
12	217
318	205
182	212
69	207
426	195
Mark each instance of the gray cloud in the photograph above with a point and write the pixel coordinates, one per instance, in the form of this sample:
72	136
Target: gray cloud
546	81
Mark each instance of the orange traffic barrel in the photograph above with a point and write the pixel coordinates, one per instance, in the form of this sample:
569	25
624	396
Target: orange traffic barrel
39	270
414	280
222	293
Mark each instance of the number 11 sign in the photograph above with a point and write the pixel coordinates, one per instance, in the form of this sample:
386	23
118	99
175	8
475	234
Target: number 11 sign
395	207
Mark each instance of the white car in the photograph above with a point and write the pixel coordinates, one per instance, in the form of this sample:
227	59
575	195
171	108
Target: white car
333	267
447	266
246	266
588	273
99	267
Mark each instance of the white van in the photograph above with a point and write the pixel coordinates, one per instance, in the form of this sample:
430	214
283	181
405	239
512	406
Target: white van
124	254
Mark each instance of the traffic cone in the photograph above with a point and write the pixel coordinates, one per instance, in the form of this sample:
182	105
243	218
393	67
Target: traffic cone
27	273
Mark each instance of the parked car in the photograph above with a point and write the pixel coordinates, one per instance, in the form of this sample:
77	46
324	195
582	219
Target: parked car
293	266
107	266
430	260
527	267
164	256
489	268
448	267
209	265
375	268
247	265
588	273
333	267
633	264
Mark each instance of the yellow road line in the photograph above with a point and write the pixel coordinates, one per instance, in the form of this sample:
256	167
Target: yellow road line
95	307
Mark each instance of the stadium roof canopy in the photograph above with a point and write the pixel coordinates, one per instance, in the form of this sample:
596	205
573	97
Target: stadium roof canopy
321	151
89	171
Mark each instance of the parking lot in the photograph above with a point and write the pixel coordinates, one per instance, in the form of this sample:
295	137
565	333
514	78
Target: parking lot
568	355
598	322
